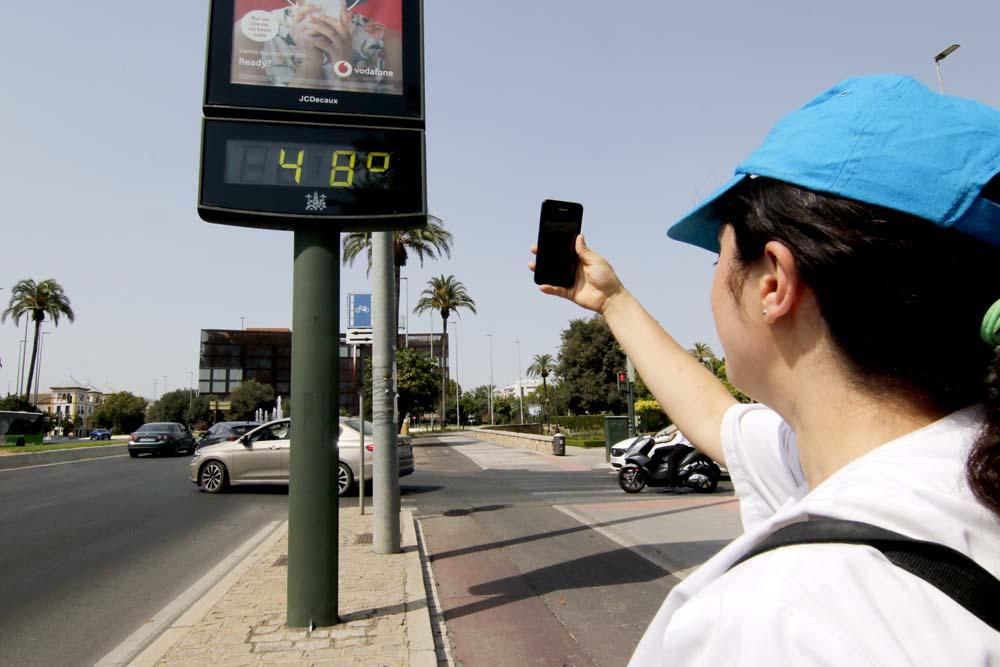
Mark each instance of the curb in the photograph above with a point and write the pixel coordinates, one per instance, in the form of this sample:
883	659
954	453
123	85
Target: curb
226	572
420	637
13	461
420	649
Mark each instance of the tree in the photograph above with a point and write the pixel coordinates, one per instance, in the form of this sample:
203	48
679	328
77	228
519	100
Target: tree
122	412
37	300
416	382
703	353
180	405
247	398
706	357
541	366
589	361
444	294
477	402
504	408
432	241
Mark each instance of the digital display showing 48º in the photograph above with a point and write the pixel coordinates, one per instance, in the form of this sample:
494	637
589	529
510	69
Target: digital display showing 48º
279	175
251	162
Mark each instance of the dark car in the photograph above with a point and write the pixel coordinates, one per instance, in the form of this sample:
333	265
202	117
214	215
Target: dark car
161	438
225	431
100	434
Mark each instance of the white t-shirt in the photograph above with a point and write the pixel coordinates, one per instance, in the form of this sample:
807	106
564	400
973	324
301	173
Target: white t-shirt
834	604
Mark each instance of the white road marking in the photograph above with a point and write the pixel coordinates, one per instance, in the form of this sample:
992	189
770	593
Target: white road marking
658	559
63	463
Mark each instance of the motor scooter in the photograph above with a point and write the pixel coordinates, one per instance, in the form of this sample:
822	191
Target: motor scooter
674	466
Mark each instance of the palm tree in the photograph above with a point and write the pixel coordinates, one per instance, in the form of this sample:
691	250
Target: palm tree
431	241
704	354
444	295
541	366
37	300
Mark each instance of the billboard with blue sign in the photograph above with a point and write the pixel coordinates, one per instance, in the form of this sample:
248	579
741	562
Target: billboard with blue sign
360	311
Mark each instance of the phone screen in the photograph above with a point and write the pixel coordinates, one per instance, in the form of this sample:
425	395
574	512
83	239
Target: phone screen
555	262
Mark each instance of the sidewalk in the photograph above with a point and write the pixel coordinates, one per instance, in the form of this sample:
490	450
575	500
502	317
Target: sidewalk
383	610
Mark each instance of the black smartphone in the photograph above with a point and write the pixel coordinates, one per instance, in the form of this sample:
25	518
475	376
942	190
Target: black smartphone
555	261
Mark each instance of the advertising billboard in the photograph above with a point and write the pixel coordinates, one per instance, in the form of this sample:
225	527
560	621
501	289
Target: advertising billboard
316	56
329	45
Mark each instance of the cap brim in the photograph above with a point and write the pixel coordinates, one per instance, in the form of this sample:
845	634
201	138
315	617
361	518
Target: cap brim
700	227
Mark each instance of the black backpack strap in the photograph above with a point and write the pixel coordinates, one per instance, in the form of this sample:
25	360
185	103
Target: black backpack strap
953	573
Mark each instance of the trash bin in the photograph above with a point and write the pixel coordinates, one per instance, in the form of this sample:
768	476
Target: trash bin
615	430
559	445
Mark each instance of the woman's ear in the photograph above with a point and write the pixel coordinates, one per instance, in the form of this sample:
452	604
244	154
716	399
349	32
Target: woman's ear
780	283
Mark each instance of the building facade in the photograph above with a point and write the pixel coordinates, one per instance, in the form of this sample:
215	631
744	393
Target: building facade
229	357
74	405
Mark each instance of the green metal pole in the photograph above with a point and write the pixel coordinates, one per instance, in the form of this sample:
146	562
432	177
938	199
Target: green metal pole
313	525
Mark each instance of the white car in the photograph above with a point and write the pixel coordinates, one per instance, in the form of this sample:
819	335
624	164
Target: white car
261	456
668	436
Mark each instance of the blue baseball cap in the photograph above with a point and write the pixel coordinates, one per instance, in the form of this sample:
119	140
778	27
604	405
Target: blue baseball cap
884	140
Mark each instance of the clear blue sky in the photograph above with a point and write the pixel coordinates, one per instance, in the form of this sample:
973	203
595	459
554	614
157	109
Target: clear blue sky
634	113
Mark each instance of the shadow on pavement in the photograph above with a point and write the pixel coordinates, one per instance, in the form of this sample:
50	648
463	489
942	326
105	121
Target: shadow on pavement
411	490
568	531
611	569
471	510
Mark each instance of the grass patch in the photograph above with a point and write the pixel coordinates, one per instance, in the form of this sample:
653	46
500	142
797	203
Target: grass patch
69	444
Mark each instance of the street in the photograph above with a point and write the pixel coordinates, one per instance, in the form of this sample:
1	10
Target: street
529	551
92	549
537	559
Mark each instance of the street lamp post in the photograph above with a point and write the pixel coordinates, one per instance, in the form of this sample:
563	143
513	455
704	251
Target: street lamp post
190	396
38	368
458	389
491	379
243	325
520	387
24	358
20	352
937	62
406	336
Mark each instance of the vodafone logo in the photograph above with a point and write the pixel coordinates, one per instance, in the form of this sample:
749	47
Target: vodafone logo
343	69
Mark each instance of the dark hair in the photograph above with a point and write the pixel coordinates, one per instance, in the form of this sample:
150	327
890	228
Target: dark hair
903	299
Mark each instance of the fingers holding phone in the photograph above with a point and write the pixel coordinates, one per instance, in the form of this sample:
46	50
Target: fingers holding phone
563	265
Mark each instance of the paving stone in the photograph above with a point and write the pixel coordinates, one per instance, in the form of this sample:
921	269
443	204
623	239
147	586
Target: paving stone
248	625
272	646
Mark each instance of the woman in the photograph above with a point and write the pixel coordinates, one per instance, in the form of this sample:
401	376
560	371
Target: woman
858	249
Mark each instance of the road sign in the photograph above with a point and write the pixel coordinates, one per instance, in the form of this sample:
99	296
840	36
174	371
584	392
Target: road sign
359	336
360	315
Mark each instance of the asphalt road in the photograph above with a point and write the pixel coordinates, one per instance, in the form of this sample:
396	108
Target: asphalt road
520	581
89	550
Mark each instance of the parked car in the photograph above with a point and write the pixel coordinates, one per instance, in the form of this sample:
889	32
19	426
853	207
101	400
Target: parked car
161	438
228	431
261	456
100	434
